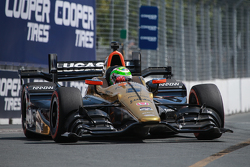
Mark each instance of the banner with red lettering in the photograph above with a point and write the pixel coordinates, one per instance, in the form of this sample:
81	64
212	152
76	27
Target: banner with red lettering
31	29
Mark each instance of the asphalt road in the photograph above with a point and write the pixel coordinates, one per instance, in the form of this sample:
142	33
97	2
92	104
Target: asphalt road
232	149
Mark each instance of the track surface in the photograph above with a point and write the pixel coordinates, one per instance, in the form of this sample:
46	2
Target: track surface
232	149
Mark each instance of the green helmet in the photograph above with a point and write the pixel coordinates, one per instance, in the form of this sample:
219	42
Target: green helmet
120	74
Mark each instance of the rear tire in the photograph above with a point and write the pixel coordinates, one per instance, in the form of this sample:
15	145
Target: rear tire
208	94
27	133
24	98
64	101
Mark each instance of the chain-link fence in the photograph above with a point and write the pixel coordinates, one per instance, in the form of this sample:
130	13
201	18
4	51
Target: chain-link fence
200	39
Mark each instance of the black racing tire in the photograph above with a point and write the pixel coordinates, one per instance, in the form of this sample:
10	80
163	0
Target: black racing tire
24	97
27	133
210	95
64	101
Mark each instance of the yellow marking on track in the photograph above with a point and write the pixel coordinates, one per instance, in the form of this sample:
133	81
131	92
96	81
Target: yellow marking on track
220	154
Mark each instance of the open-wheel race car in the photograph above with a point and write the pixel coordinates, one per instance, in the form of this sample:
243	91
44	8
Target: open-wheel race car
117	101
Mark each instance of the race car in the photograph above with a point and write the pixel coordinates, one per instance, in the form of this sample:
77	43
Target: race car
117	101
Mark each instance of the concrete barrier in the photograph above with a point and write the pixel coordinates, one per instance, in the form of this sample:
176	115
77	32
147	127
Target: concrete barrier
235	94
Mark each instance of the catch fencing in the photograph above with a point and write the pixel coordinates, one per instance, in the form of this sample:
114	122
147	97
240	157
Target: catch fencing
200	39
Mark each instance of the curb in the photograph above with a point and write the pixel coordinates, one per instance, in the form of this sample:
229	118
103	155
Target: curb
10	121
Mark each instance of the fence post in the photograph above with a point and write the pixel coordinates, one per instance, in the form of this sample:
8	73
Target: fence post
175	55
241	45
220	64
235	56
202	50
126	23
215	43
228	68
111	20
194	48
234	42
248	42
208	41
164	29
148	51
158	50
183	71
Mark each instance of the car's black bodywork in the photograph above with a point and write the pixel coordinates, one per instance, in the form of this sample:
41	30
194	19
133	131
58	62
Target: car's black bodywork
50	109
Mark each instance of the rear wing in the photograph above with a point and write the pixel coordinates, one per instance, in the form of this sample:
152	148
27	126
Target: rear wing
77	70
81	70
165	71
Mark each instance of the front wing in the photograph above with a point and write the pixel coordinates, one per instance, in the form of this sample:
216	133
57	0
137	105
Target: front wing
191	119
162	125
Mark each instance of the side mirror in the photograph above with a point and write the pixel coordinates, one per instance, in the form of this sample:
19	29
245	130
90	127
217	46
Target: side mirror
159	81
153	85
93	82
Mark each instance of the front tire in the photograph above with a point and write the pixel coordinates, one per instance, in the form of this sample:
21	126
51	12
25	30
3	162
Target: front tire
64	101
208	94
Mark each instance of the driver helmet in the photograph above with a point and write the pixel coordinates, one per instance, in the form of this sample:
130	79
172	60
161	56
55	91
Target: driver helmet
120	74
